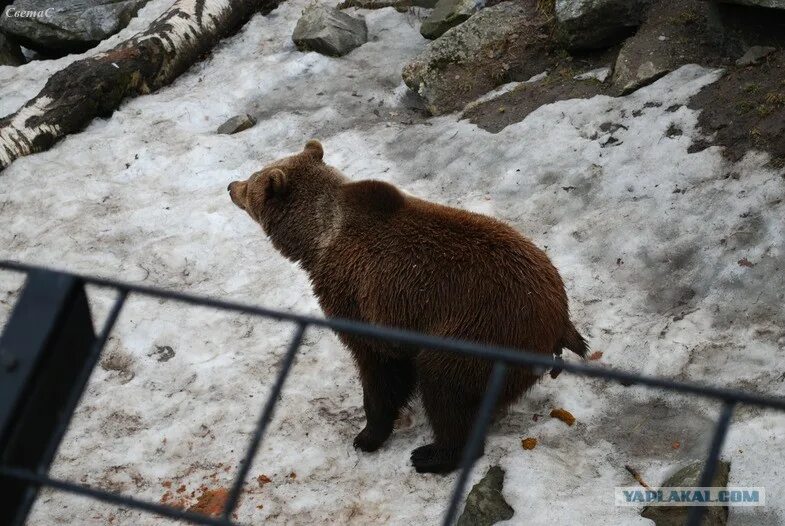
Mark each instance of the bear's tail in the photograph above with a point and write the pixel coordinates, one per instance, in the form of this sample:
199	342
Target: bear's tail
572	340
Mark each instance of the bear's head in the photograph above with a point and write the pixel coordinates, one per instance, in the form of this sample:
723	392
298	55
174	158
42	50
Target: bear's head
294	199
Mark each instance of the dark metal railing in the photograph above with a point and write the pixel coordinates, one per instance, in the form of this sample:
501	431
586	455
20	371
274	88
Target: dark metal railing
48	320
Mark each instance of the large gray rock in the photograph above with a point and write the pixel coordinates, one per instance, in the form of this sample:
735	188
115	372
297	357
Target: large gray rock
690	477
10	54
504	43
329	31
447	14
594	24
58	27
485	504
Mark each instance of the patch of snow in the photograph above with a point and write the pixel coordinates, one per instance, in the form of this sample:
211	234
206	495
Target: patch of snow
647	237
498	92
536	78
599	74
504	88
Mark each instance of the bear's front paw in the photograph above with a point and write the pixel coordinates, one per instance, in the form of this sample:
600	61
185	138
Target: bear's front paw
433	459
369	440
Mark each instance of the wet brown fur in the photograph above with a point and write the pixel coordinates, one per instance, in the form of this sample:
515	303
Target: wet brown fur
376	255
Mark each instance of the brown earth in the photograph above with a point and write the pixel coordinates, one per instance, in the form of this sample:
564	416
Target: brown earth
496	114
745	110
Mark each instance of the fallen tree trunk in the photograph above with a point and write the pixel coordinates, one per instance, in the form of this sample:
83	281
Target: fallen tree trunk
95	86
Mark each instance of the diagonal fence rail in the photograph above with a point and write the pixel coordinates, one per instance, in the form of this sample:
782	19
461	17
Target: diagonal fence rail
48	350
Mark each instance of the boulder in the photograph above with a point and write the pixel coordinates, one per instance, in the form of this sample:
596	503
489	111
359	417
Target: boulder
485	504
59	27
329	31
10	53
500	44
668	39
236	124
447	14
595	24
690	477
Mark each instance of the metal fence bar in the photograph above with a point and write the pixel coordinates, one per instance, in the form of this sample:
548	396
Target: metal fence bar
84	376
113	498
710	467
264	420
477	437
505	354
501	356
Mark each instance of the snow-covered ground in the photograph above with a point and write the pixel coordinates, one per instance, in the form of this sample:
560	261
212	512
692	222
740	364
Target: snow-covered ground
673	262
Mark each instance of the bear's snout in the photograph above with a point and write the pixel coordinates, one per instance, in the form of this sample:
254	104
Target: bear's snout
234	193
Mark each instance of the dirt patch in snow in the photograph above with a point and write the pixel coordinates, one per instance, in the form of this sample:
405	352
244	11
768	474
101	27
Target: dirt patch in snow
211	502
745	110
497	113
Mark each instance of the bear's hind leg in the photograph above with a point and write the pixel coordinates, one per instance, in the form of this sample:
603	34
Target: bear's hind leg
451	412
388	384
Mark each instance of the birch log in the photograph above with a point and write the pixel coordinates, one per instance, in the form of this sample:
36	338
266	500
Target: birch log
95	86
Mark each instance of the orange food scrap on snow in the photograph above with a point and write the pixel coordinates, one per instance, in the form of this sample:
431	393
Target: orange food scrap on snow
676	445
172	501
529	443
211	502
262	480
596	355
563	415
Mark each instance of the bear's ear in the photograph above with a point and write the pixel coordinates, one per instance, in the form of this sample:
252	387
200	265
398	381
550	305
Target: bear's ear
277	184
314	149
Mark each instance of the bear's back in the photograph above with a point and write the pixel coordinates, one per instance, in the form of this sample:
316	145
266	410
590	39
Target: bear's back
405	262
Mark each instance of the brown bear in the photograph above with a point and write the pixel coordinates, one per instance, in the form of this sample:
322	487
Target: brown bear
379	256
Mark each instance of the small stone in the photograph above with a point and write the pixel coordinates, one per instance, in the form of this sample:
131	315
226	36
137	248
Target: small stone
236	124
754	55
448	14
485	504
329	31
